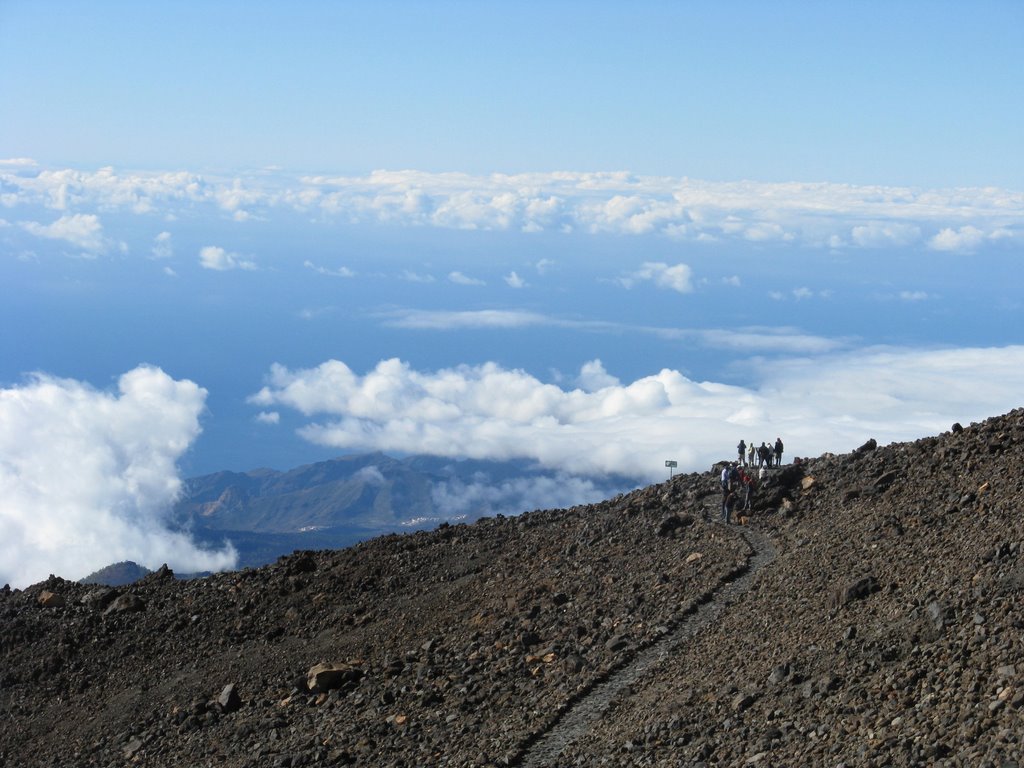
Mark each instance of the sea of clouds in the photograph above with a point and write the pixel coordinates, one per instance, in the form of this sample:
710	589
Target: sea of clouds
88	477
819	214
833	402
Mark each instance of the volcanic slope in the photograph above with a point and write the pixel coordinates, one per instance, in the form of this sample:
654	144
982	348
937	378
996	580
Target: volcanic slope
885	631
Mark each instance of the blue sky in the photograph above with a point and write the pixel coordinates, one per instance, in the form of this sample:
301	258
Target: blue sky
918	93
593	235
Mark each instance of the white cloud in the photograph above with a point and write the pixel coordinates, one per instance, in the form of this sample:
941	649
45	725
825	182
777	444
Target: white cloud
162	246
914	295
268	417
87	477
514	281
455	320
543	266
414	277
339	272
825	403
820	215
966	239
883	234
764	231
460	279
83	230
216	258
676	278
457	499
594	377
370	475
754	339
18	162
763	340
802	292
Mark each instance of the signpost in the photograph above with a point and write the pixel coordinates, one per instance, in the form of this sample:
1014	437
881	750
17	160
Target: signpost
671	465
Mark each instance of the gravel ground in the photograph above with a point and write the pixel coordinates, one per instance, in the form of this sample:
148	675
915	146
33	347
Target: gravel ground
885	631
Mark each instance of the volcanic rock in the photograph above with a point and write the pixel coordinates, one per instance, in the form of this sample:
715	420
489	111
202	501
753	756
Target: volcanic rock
884	630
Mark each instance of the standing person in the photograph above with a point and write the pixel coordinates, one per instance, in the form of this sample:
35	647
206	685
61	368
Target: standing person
778	451
742	448
727	505
726	491
751	452
748	491
764	455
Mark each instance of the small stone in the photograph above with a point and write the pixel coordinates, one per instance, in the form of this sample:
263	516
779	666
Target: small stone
229	699
617	643
128	603
779	674
742	701
131	748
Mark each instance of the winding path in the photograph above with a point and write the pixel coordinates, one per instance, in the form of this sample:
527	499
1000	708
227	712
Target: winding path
577	719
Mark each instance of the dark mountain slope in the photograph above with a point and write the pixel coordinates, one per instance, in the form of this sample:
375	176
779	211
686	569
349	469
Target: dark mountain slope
887	631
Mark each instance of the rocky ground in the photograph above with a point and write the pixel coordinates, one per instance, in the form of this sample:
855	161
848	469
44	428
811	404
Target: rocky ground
885	631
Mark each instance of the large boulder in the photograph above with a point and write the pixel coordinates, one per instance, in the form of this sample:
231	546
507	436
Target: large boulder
331	675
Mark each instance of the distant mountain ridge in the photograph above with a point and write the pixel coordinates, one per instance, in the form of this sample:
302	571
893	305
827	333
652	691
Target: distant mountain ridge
266	513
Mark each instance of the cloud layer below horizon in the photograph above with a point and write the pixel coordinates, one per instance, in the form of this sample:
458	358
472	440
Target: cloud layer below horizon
832	403
815	214
87	477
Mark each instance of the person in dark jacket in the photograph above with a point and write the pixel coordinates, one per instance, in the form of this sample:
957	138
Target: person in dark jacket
778	451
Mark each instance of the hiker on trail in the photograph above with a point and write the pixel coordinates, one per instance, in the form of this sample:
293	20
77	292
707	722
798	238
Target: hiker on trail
750	454
764	455
726	490
742	448
748	490
727	505
778	451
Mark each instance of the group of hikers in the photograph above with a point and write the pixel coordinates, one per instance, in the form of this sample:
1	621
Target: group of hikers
739	485
766	455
